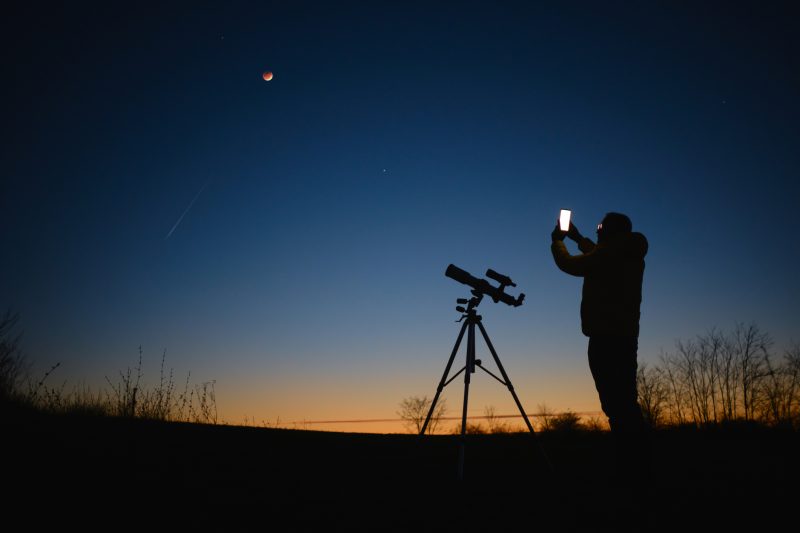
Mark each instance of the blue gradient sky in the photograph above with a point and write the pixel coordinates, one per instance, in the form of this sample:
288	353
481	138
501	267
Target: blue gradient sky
308	278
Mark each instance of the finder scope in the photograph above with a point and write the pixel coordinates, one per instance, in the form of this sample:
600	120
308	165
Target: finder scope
481	286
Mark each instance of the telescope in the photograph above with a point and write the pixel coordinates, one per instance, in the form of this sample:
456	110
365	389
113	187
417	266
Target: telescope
481	286
472	321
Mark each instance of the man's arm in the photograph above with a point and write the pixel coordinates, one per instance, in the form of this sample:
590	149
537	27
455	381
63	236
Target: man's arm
576	265
585	244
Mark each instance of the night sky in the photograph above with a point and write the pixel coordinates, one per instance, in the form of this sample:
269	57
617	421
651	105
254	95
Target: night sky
289	238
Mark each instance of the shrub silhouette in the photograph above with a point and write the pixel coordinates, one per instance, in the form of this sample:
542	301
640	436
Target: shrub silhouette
566	421
13	364
414	410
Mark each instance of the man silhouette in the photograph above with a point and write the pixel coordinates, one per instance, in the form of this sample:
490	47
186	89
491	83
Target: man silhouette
612	272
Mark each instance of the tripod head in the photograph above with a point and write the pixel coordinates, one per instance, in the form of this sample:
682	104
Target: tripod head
472	303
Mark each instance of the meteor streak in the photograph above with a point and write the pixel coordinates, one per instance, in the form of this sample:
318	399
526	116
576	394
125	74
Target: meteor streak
196	196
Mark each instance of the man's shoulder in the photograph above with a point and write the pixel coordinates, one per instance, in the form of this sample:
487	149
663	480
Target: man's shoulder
633	244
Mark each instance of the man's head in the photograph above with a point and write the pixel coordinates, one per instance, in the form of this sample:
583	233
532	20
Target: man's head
613	224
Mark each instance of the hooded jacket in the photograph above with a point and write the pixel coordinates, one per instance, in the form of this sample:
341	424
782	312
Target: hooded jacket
612	273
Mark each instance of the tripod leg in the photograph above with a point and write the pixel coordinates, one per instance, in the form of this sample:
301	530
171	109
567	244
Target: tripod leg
511	390
505	376
470	368
444	378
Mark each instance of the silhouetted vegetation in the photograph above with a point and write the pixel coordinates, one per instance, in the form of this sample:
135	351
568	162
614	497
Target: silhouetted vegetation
566	421
126	397
545	416
13	365
472	429
699	472
495	424
492	424
414	410
720	377
716	378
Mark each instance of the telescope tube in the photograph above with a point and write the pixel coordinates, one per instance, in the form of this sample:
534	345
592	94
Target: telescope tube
481	285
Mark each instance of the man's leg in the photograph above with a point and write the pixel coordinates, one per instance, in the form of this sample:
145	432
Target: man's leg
612	361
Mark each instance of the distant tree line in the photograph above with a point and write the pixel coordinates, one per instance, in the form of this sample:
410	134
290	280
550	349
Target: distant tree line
723	376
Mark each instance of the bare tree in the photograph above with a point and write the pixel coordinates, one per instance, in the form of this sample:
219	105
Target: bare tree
721	376
653	394
717	376
695	362
750	346
700	363
545	415
414	410
781	387
712	347
729	380
792	359
676	388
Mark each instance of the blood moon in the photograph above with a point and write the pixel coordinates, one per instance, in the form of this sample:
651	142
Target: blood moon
267	75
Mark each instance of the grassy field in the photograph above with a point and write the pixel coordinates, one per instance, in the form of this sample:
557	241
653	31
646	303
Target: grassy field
116	473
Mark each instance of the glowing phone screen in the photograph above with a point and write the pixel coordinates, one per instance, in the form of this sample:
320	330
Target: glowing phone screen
563	220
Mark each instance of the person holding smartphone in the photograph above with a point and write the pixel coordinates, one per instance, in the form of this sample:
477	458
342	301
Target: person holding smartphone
613	270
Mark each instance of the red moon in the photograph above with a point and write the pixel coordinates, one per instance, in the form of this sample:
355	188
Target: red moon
267	76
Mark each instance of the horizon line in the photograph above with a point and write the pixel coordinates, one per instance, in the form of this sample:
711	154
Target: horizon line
469	417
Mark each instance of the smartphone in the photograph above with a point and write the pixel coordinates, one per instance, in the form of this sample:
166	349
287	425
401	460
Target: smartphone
563	219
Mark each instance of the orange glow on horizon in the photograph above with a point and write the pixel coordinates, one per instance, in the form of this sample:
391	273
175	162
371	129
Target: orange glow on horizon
397	425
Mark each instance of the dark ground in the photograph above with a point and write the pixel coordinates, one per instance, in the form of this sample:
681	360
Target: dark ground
117	474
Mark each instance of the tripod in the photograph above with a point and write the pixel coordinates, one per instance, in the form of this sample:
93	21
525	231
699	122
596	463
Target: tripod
471	318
